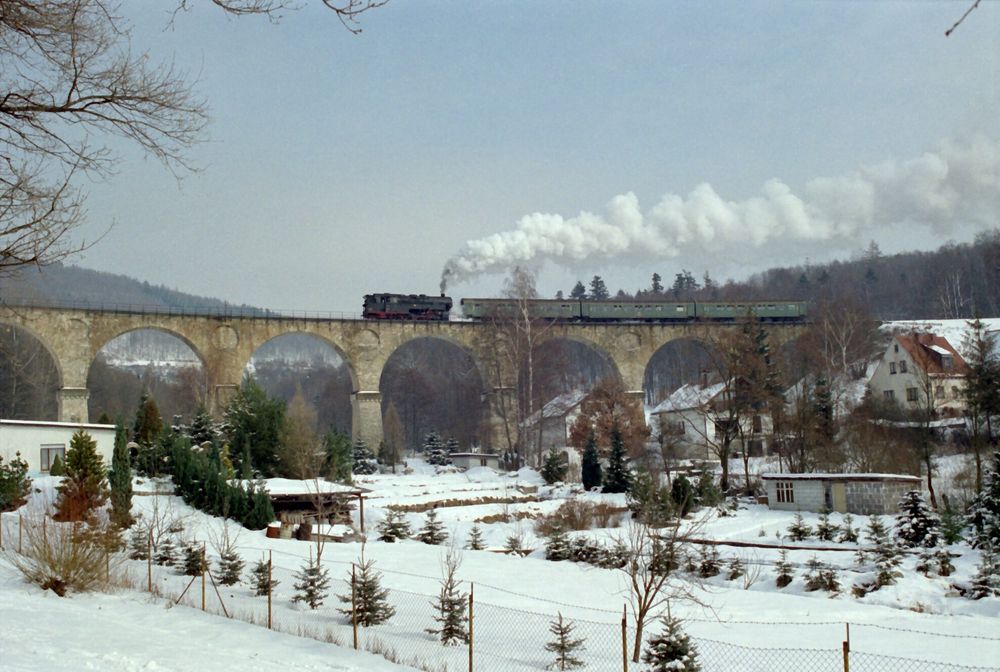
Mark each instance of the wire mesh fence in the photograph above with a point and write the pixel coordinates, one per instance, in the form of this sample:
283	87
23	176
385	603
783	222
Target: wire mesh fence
494	637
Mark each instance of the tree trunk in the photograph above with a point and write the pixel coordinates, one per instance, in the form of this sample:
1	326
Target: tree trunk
637	646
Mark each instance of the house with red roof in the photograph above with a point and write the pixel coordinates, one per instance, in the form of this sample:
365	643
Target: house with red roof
920	371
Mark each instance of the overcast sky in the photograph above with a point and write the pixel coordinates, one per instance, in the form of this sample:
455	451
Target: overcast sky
709	136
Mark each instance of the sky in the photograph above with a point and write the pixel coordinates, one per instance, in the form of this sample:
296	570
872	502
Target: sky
571	138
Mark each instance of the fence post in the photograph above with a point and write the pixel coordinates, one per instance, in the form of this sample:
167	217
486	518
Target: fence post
1	531
354	606
203	576
472	589
20	524
149	561
624	639
269	590
847	648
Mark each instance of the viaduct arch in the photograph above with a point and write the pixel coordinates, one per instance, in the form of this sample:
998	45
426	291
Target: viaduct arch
225	344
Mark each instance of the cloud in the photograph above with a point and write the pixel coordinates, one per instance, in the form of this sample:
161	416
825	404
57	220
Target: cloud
956	185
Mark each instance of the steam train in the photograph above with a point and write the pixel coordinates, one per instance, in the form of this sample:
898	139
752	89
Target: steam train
423	307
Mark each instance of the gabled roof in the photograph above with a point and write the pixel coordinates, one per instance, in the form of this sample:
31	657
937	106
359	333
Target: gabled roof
558	406
929	350
689	396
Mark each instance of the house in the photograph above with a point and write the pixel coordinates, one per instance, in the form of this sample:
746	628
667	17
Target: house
921	371
862	494
555	419
695	416
39	441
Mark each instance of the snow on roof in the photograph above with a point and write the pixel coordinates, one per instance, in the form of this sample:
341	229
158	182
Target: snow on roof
952	330
47	423
288	486
689	396
941	351
841	477
558	406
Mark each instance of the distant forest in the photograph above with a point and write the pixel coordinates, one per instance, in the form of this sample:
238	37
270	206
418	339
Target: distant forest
954	281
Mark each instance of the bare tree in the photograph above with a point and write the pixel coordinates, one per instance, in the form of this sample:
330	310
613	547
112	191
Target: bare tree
69	83
394	442
301	452
606	409
652	556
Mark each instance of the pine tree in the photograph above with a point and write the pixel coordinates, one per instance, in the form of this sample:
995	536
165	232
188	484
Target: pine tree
194	560
783	569
514	544
138	543
709	564
799	530
986	581
202	427
230	566
57	468
452	446
564	645
312	584
451	605
591	463
984	514
618	478
433	531
935	561
165	552
371	601
554	469
671	650
148	424
886	553
598	289
394	526
735	569
916	524
557	544
339	460
813	575
952	522
848	535
579	291
434	450
825	530
120	480
475	542
259	579
364	459
84	488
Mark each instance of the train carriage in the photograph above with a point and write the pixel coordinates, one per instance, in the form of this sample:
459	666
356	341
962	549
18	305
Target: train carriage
546	309
766	311
649	311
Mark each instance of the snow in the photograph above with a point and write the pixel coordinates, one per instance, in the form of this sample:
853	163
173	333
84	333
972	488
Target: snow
919	617
952	330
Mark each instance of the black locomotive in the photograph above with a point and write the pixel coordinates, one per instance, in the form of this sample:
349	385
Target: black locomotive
406	307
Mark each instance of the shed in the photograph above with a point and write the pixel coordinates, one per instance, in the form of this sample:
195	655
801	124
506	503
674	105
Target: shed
302	500
469	460
863	494
40	441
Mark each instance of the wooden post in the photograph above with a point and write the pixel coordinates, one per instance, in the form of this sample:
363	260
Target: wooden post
45	532
1	531
203	576
107	565
472	589
361	511
149	561
269	590
624	639
847	648
20	524
354	606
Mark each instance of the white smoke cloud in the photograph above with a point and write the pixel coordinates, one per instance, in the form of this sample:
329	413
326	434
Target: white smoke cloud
957	185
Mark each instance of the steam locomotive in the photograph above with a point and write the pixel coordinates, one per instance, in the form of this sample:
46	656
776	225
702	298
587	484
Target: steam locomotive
423	307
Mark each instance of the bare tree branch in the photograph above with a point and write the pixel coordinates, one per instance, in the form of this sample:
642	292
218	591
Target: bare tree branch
955	25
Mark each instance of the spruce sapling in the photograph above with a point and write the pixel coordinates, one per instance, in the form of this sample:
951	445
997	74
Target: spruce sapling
230	567
433	531
451	605
557	546
166	552
916	525
784	570
394	526
138	543
366	598
476	542
825	530
194	559
848	535
799	530
564	645
312	583
671	650
709	565
735	569
260	579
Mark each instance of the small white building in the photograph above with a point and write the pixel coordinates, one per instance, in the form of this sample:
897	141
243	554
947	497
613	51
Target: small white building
469	460
40	441
863	494
550	427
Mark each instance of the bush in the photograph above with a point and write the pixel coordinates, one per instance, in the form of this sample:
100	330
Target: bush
63	557
579	514
14	483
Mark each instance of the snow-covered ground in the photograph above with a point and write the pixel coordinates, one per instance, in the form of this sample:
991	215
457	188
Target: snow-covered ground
919	618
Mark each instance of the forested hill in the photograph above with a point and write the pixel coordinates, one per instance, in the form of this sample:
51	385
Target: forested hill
954	281
75	286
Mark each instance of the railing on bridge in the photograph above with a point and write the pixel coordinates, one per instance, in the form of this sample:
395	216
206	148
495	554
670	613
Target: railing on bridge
226	311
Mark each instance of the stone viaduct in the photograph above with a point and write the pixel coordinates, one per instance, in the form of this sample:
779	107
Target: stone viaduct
225	344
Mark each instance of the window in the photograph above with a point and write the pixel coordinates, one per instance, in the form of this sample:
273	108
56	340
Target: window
911	394
758	424
902	366
939	392
895	347
947	362
785	492
892	367
49	452
954	393
889	395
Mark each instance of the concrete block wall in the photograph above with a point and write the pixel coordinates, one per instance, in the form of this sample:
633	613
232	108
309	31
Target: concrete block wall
809	496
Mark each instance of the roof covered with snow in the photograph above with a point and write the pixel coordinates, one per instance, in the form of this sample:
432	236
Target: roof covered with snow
559	406
288	486
689	396
929	351
841	477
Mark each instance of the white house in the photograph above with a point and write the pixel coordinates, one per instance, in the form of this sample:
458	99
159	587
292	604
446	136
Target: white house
920	370
692	416
40	441
555	420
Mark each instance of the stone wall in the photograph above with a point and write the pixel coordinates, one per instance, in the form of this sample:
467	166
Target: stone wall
876	498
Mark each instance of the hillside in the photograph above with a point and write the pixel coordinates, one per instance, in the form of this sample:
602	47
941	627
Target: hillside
72	285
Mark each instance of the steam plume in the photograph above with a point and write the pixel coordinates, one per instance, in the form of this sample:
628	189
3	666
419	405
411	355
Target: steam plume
956	185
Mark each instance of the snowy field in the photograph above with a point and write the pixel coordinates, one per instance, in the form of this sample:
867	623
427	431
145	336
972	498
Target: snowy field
742	624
